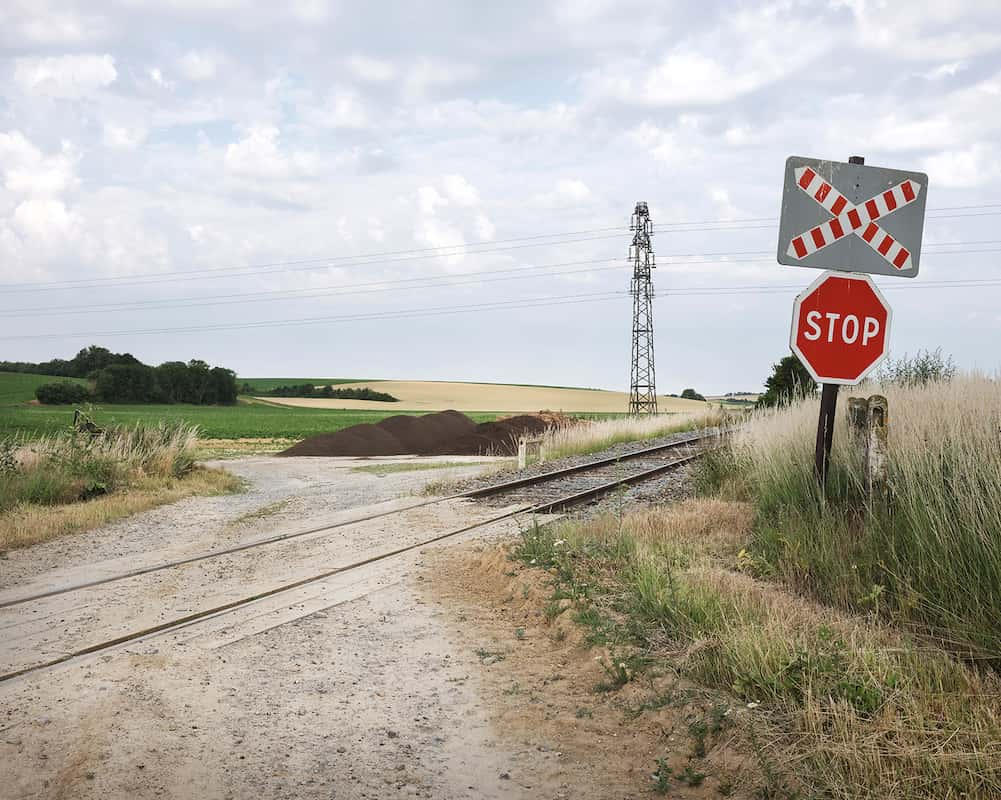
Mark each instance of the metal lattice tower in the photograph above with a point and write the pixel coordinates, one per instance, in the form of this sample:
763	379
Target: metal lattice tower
643	383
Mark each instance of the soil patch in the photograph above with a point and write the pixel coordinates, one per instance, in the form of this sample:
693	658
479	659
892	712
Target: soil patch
547	689
444	433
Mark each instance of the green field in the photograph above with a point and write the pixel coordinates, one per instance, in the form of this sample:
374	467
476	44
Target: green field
19	387
244	420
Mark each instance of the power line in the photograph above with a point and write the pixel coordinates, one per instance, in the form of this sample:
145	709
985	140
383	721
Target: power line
345	262
378	315
422	282
508	304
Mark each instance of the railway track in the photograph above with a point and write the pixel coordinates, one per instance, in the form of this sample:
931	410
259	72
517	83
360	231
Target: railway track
554	491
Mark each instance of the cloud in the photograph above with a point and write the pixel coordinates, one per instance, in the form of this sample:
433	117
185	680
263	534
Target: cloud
199	66
67	77
343	109
977	165
259	155
371	69
28	171
34	22
566	192
460	191
123	137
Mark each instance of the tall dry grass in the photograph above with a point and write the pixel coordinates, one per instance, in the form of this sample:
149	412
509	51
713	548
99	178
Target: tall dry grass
581	439
929	558
44	481
850	706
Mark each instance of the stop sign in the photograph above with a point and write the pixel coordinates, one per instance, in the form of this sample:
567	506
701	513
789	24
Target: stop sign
840	327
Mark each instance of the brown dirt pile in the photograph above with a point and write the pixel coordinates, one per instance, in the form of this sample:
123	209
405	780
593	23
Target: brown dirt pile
444	433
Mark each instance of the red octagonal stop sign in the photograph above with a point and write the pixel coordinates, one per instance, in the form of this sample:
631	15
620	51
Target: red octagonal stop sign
840	327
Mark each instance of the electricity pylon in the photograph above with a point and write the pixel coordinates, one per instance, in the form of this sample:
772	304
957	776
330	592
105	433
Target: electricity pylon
643	383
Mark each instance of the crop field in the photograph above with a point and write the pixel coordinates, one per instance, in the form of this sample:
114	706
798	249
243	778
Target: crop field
267	384
507	398
244	420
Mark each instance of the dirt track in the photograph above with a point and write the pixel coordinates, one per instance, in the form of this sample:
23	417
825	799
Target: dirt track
366	685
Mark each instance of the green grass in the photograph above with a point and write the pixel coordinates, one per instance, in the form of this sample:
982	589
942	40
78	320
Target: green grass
19	387
849	706
245	420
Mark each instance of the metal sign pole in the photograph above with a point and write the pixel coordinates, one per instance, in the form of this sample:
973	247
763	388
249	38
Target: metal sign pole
828	410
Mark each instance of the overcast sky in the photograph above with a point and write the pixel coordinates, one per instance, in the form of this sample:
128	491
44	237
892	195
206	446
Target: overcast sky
149	149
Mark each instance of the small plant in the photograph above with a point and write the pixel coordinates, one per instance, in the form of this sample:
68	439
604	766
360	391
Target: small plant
519	634
583	713
662	777
691	776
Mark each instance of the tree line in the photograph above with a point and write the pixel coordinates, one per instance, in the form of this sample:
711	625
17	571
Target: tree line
309	390
123	378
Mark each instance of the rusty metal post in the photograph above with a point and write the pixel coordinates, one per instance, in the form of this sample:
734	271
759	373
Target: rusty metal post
876	457
825	431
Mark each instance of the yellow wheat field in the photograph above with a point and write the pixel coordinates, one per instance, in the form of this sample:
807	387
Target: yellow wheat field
441	395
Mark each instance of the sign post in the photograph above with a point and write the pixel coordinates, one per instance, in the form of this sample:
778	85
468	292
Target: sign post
841	322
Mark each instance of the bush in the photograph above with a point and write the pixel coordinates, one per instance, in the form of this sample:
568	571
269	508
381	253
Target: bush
923	368
691	394
71	467
62	393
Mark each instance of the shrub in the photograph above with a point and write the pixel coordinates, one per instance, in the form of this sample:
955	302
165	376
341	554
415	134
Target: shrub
922	368
62	393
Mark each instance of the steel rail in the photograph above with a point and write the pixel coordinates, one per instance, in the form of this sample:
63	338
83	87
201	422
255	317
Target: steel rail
482	492
199	616
531	480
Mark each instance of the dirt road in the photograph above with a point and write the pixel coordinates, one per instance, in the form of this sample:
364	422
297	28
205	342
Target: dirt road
368	684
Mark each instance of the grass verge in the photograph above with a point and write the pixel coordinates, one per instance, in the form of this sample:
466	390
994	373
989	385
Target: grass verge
928	556
30	524
834	705
59	484
599	435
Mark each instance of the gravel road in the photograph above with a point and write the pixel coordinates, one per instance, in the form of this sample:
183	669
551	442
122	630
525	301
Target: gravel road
357	686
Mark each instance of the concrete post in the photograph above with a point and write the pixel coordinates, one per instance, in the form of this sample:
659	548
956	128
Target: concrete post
876	457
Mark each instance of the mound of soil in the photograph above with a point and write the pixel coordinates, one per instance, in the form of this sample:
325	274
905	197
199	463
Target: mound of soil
498	438
444	433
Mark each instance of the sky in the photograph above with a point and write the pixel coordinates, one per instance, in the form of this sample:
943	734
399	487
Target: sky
442	190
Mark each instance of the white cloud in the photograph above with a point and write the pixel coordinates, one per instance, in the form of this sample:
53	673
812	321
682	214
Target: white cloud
977	165
259	155
342	109
435	232
675	146
460	191
567	192
429	199
123	137
199	66
28	171
371	69
485	229
66	77
946	71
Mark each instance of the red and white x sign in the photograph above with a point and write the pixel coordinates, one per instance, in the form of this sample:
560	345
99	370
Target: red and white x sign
850	219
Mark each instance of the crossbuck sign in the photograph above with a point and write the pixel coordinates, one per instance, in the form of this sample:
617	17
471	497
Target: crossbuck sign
851	217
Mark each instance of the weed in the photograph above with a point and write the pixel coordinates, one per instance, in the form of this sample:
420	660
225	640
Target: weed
583	713
662	777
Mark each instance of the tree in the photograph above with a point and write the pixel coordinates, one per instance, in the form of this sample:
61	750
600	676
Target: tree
789	381
691	394
175	382
223	385
62	393
126	383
